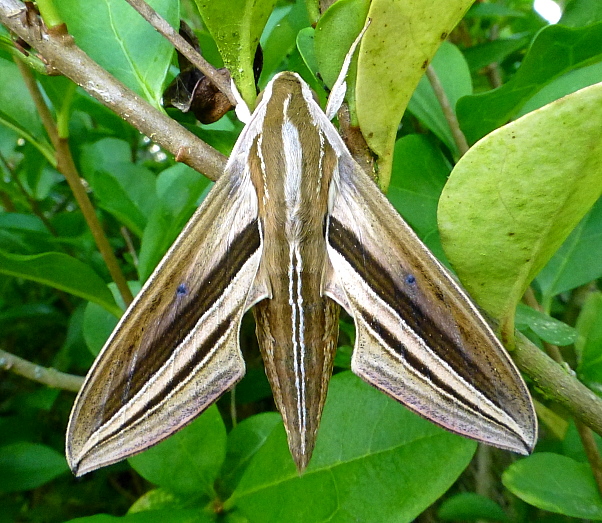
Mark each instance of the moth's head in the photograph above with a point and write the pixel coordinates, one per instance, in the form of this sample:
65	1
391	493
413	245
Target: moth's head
286	83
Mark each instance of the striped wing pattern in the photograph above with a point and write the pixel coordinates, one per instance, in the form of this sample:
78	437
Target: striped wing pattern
176	349
419	337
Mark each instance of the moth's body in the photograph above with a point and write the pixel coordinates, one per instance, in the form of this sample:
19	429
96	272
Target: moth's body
293	226
297	327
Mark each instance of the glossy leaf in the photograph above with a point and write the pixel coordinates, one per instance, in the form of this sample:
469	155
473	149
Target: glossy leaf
25	466
468	506
419	174
337	29
547	328
482	55
98	323
111	192
62	272
279	37
589	345
555	483
170	515
243	443
452	70
513	199
556	50
390	455
179	189
577	262
16	106
195	452
113	34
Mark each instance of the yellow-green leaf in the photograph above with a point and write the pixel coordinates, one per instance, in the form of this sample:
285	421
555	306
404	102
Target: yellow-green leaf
513	199
394	54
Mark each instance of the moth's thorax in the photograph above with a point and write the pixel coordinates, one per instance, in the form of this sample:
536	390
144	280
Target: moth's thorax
291	165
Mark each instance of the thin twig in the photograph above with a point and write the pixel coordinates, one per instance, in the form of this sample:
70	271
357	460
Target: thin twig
129	244
163	27
63	55
557	383
233	414
585	433
448	112
592	452
45	375
493	69
66	167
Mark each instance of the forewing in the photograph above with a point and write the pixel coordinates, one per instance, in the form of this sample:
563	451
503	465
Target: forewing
419	338
176	349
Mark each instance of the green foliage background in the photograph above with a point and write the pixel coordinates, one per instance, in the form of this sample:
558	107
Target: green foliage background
519	211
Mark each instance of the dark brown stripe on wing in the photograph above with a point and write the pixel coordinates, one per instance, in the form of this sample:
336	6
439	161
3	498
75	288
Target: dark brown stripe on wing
422	369
182	310
398	298
182	374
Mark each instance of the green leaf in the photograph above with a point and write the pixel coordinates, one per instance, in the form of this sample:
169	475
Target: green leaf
337	29
280	36
111	191
394	53
419	174
581	12
469	506
589	344
159	498
243	443
559	87
546	327
484	10
179	189
306	47
482	55
555	483
25	466
113	34
125	190
515	196
556	50
98	323
577	262
374	461
452	70
62	272
16	106
236	26
152	516
196	452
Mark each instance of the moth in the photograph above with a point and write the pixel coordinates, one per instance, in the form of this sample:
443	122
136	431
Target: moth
295	230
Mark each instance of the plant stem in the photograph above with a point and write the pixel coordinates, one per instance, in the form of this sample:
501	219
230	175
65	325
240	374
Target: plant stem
163	28
558	384
62	54
592	453
48	376
448	112
66	167
585	433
